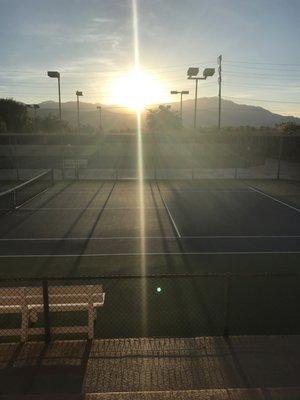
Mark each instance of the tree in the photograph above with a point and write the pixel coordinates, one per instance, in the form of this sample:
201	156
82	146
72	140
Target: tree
13	116
289	128
51	124
3	128
163	118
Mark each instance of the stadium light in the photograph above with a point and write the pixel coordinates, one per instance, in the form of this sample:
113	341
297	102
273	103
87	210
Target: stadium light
182	92
208	72
192	73
56	74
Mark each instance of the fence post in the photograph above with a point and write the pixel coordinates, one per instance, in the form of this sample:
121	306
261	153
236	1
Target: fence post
46	310
227	305
279	156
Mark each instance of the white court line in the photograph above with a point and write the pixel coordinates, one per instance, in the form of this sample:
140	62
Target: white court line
146	254
273	198
89	208
168	211
149	237
91	192
206	190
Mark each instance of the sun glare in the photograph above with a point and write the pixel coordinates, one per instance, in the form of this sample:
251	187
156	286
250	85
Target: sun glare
137	90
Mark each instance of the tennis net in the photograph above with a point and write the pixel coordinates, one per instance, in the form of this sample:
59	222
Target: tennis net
15	197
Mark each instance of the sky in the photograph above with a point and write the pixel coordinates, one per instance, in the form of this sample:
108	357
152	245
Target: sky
91	43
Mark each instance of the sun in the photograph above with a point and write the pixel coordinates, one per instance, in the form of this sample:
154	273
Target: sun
136	90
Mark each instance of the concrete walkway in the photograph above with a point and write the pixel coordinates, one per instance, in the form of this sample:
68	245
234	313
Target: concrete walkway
246	367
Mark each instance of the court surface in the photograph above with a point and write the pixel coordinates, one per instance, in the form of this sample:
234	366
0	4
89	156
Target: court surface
93	227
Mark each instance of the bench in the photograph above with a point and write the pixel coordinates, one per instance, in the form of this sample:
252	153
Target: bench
29	302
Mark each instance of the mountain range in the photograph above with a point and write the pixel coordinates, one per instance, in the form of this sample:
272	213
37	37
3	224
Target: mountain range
114	117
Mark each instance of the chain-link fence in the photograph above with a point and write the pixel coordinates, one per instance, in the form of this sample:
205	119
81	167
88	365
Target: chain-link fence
180	305
164	157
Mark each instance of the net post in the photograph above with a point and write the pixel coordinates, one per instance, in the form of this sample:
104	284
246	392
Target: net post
46	310
227	305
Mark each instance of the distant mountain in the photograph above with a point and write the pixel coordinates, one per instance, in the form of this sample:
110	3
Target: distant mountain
233	114
89	114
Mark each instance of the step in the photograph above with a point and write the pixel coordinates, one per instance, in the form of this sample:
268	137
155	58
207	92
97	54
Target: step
287	393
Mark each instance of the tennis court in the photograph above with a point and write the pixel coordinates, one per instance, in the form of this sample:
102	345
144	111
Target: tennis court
195	233
102	219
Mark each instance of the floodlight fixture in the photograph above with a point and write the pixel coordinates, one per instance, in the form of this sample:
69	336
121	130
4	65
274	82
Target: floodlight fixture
208	72
192	74
79	93
192	71
182	92
53	74
56	74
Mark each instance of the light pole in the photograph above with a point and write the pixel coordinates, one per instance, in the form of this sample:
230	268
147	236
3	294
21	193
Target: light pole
100	117
35	107
220	88
192	73
181	94
78	94
55	74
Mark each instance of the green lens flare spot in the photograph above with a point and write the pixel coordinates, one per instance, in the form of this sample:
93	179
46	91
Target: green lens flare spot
158	289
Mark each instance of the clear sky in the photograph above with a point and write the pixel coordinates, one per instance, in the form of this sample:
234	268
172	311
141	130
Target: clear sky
90	42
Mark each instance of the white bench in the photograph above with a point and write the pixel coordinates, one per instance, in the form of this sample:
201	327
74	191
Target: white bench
29	301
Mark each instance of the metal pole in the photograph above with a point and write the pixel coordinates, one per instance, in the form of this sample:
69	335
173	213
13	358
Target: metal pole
227	306
100	119
17	157
279	157
78	141
195	109
59	97
220	89
78	111
34	117
46	310
181	107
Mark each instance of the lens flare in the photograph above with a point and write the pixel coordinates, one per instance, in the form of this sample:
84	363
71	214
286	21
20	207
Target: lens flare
140	166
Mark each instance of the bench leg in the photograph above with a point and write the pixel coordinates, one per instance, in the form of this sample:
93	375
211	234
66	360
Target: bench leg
24	324
91	321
